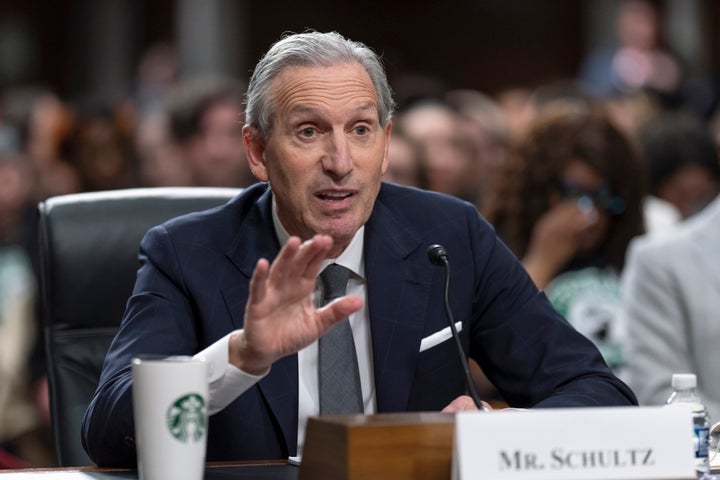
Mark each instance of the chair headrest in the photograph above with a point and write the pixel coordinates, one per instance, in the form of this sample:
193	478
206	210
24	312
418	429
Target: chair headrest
90	241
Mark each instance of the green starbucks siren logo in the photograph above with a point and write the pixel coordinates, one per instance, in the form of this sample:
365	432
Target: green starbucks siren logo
187	418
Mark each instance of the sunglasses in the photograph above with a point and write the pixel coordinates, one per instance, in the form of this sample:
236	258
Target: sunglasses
601	198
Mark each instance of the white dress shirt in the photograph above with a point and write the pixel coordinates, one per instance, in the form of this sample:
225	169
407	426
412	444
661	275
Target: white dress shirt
227	382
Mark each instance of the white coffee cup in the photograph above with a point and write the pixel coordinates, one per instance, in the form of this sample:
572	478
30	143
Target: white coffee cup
170	398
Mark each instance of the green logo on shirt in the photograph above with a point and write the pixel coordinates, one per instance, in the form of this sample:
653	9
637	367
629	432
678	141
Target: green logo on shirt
187	418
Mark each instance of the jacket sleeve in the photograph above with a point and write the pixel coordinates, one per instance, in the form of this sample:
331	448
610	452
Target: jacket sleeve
533	356
655	318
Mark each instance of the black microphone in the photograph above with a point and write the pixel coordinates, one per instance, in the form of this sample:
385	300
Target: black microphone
438	256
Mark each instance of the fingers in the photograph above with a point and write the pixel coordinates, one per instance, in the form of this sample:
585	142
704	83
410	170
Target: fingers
462	403
581	213
298	259
293	272
283	263
338	309
258	287
313	252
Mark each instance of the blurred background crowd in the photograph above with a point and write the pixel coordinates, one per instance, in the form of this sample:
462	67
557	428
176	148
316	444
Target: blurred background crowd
574	127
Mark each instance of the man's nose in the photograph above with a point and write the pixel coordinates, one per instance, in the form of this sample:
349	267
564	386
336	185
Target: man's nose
337	159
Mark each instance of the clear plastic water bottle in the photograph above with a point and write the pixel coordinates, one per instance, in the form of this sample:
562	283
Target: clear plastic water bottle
684	394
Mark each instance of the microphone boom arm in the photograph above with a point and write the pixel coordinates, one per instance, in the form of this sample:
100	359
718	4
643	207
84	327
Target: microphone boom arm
438	255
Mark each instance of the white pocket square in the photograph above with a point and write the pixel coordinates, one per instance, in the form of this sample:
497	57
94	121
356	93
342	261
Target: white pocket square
438	337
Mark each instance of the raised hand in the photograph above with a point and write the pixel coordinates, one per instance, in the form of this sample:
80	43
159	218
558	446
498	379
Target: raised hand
280	316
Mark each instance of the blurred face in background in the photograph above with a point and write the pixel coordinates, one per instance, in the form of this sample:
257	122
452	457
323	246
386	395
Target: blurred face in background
584	186
15	191
216	155
160	159
101	154
404	162
15	186
689	189
488	156
447	156
638	24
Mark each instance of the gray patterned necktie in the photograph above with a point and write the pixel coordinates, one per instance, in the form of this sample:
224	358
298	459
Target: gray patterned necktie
339	378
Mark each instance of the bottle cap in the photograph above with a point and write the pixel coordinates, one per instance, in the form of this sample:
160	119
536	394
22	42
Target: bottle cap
683	381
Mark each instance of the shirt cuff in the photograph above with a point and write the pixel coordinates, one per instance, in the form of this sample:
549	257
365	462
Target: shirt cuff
226	382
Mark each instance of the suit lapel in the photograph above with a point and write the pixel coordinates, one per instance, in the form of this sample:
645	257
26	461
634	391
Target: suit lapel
257	239
398	283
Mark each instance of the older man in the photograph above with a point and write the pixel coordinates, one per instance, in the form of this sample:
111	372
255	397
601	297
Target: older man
318	124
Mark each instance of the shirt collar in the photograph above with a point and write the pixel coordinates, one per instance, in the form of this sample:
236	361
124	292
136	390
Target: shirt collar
350	258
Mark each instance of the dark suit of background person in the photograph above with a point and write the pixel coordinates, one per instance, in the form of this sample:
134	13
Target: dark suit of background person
201	264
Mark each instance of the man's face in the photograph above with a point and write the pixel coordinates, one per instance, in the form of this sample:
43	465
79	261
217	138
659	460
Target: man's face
326	152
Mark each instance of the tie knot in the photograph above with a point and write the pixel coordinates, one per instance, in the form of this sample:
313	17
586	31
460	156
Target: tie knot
334	279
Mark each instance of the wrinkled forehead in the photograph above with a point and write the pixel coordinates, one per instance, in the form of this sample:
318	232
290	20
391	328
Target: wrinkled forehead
333	84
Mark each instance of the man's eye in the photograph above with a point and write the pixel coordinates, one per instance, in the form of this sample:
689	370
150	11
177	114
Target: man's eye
362	130
307	132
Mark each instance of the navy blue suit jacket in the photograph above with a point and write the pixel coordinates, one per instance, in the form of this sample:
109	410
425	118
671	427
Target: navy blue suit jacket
192	287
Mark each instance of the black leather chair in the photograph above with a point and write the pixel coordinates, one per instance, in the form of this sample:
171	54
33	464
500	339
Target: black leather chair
88	261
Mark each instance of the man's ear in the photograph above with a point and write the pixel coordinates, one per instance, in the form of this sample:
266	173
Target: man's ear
255	148
388	134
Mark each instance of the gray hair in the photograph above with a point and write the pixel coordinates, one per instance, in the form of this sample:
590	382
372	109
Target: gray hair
311	49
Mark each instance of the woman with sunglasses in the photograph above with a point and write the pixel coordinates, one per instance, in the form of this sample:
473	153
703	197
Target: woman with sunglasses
567	204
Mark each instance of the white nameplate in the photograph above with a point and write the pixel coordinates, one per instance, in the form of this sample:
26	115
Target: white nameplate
574	443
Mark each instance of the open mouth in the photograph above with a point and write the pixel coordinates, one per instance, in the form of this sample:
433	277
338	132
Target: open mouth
334	196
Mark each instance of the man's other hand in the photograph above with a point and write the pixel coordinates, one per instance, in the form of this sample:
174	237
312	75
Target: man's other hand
463	403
